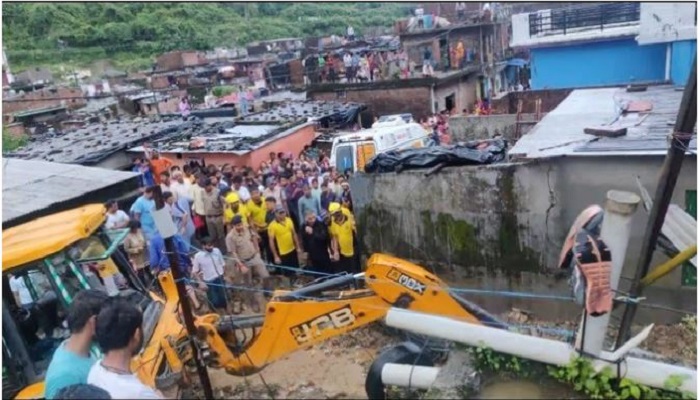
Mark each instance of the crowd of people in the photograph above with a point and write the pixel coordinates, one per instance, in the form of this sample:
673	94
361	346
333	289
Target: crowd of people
361	66
246	224
236	226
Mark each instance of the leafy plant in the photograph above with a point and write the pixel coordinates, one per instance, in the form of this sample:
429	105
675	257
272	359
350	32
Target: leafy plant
580	374
11	142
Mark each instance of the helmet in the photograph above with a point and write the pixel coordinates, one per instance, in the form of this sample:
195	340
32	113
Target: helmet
232	198
333	208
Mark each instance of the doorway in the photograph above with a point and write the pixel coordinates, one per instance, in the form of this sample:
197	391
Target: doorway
450	103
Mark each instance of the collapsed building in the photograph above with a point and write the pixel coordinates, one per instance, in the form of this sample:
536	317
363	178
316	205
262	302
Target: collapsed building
247	141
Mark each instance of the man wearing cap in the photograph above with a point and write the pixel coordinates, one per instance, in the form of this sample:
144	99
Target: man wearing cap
243	249
234	207
317	242
284	243
342	231
214	212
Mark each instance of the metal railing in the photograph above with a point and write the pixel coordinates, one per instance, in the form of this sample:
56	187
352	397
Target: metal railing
561	21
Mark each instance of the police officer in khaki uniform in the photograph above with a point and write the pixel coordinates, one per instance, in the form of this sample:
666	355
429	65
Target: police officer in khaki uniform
248	267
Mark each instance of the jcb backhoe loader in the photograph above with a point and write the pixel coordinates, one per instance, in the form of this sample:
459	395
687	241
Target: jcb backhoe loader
44	253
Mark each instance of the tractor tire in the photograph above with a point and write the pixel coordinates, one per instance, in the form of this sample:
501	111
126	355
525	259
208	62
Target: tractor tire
404	353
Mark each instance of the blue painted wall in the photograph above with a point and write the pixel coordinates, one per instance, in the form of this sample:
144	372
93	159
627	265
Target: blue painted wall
596	64
682	54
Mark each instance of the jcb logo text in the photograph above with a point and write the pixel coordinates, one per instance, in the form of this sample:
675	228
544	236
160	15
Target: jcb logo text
337	319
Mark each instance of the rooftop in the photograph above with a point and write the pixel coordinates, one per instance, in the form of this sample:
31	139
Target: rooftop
95	142
301	111
38	111
26	184
561	131
241	136
221	137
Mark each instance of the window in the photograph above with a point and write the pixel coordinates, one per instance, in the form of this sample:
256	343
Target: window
37	311
344	159
365	152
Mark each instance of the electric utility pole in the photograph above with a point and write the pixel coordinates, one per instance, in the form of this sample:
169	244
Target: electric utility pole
680	138
167	230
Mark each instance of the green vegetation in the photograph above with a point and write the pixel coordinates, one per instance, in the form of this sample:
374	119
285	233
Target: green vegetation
131	34
11	142
580	374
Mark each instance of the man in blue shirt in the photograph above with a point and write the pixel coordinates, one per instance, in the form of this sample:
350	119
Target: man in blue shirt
142	211
144	170
159	261
72	361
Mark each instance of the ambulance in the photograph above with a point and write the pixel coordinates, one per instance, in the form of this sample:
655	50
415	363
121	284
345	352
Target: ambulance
353	150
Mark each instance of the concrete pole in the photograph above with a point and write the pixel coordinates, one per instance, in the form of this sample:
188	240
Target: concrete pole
615	232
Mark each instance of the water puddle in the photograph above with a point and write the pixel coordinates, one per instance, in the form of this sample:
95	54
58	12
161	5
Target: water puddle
510	388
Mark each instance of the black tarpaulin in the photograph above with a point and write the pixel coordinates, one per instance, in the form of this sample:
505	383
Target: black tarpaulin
471	153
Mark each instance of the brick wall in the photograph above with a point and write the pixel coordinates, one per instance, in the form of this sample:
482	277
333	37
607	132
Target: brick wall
168	61
45	98
414	100
15	130
159	82
508	104
192	58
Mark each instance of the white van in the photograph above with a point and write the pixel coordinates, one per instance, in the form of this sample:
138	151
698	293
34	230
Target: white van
353	150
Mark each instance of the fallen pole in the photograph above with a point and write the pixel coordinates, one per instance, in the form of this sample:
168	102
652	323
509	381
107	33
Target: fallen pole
408	375
646	372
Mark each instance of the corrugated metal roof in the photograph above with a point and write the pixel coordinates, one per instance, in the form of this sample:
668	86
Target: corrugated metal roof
29	186
561	131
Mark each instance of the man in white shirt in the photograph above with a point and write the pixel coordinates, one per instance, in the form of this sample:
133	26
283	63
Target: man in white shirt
242	191
116	218
208	266
23	297
165	183
181	187
120	336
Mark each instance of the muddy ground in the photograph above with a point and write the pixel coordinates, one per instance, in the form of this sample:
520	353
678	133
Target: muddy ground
336	369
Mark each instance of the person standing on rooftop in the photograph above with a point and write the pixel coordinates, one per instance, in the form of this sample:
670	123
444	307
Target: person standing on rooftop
159	165
184	108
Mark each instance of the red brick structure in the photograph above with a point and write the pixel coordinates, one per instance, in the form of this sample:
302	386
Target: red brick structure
72	98
180	59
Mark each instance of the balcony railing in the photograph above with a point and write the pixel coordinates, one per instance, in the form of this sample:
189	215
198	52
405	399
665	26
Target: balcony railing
561	21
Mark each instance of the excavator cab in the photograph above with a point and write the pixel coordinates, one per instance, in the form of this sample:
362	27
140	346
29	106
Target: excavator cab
46	262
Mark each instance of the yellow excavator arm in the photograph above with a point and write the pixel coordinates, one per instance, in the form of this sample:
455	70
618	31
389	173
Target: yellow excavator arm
314	313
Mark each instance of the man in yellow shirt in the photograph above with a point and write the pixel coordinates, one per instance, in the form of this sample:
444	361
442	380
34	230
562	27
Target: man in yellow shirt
258	212
284	244
233	208
342	232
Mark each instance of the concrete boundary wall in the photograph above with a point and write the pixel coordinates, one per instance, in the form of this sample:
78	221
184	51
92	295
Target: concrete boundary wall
501	227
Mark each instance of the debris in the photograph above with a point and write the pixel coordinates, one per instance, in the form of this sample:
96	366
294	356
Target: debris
602	131
427	157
